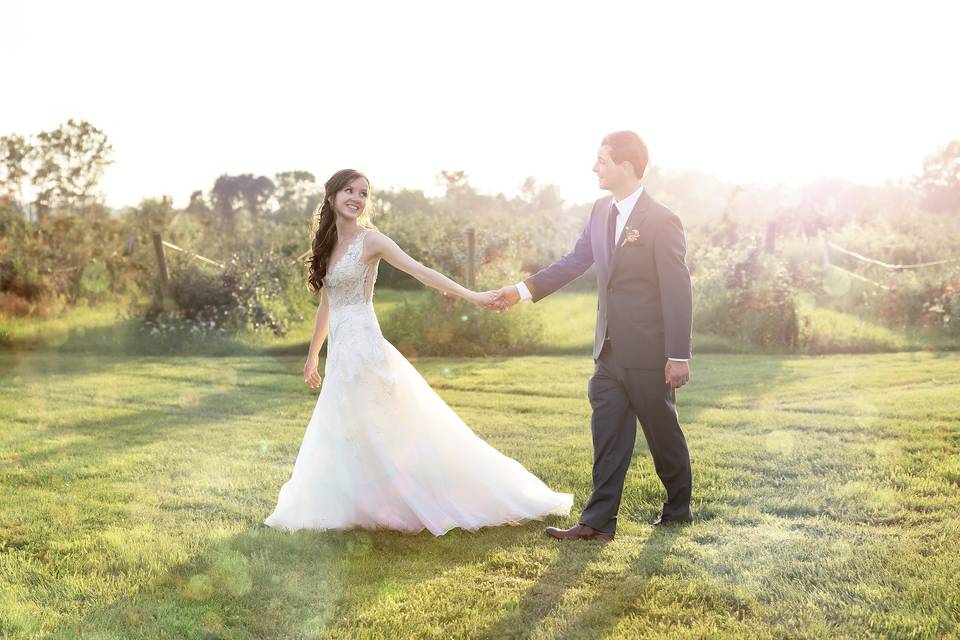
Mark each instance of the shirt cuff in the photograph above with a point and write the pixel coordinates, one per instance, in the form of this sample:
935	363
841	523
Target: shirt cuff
524	292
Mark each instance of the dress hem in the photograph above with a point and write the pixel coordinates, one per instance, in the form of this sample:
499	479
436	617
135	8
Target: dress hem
524	520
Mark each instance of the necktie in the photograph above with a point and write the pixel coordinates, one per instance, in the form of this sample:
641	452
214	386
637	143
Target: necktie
612	231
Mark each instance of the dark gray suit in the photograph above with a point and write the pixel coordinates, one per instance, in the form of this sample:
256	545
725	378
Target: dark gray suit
644	316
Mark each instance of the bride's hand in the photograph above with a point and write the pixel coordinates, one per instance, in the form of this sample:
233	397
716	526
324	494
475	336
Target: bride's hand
311	376
484	299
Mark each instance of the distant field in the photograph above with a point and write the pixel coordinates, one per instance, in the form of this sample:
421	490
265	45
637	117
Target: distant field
827	491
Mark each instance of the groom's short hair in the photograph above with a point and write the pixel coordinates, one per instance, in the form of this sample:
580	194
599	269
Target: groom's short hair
627	145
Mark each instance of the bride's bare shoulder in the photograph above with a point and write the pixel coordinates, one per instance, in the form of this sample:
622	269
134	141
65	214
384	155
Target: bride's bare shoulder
375	242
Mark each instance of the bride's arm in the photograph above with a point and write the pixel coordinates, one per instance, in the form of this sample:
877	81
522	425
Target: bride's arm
381	246
321	326
310	374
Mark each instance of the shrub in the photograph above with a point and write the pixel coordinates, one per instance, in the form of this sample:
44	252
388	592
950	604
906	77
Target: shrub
63	260
439	325
941	308
253	293
751	299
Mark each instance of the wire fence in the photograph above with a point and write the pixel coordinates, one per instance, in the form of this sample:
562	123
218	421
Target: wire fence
887	265
298	260
828	264
195	256
164	276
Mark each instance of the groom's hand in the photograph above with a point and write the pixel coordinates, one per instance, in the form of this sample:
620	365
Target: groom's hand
506	298
676	374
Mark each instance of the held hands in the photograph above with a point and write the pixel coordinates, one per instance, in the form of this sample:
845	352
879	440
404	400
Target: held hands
501	299
506	298
676	374
498	300
311	377
482	299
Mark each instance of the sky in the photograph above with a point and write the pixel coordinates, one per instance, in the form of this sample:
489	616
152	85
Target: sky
759	92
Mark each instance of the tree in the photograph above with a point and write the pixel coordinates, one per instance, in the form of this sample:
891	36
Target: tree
153	214
14	154
225	197
198	205
230	194
295	192
940	182
68	163
256	192
536	197
727	232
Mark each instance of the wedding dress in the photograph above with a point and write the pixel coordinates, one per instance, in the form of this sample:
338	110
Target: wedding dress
383	450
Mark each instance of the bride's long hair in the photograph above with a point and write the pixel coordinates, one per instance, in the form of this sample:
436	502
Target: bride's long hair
324	234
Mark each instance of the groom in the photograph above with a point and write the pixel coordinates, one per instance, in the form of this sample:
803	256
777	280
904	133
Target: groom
642	344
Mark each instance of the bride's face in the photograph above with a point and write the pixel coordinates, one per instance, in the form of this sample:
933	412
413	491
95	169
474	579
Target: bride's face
352	199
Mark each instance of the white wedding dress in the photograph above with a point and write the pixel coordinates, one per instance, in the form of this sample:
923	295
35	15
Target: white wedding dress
383	450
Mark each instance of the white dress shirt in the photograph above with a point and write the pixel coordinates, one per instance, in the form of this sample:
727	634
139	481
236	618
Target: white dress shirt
624	208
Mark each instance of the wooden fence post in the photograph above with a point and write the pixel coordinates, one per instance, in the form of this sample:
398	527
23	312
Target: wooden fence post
162	270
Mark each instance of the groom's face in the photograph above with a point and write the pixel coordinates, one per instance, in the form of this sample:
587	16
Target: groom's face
609	173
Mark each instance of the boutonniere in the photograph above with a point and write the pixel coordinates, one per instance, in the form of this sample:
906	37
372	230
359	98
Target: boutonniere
632	235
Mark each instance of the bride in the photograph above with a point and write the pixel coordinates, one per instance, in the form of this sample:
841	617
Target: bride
382	449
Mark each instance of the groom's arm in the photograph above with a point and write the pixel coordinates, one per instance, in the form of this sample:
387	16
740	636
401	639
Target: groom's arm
563	271
676	292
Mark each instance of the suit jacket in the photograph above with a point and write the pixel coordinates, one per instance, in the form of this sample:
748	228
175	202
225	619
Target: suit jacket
645	299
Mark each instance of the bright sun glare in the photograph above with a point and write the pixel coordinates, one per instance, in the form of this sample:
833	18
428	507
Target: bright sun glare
747	91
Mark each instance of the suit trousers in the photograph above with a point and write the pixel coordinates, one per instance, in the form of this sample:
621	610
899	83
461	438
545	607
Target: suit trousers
619	398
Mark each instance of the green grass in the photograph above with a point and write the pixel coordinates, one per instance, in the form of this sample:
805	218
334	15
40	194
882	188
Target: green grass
134	486
100	329
568	320
829	331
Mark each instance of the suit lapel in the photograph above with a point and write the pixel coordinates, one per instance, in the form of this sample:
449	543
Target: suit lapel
636	218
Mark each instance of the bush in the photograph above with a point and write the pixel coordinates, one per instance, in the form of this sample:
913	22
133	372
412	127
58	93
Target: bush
752	299
253	293
63	260
439	325
941	307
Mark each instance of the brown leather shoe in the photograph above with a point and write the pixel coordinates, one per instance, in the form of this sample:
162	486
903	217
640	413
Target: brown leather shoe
578	532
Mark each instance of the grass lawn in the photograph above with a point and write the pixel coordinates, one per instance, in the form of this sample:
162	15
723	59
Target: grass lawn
134	486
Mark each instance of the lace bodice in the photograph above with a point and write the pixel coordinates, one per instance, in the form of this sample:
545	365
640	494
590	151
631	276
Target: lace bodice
350	281
355	345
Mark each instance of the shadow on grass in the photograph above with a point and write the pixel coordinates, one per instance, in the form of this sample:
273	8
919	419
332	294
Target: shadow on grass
275	584
614	596
546	594
571	571
133	420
